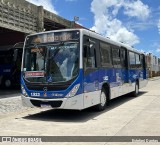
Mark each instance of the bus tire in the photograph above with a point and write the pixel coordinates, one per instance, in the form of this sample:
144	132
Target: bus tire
6	83
136	91
103	101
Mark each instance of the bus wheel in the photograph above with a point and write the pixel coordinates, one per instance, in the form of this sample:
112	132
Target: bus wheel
103	101
136	91
7	83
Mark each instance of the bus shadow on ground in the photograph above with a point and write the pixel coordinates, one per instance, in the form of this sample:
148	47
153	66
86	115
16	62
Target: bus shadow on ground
78	116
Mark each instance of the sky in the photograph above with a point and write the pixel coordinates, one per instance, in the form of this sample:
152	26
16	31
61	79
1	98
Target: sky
134	22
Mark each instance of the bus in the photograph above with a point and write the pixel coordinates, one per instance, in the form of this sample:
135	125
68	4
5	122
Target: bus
10	65
77	68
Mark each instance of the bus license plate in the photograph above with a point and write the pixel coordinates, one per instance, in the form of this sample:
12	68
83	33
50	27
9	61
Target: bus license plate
45	106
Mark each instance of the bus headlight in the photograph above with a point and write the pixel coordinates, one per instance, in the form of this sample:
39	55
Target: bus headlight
24	91
73	91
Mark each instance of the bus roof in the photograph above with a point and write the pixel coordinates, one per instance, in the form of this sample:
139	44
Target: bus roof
96	36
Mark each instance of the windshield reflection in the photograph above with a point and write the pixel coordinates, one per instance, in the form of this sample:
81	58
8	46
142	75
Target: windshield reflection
60	62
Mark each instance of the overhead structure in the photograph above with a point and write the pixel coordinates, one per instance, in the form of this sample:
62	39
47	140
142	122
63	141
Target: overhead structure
22	16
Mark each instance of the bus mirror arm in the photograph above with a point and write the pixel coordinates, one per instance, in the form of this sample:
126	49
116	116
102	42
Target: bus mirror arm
15	55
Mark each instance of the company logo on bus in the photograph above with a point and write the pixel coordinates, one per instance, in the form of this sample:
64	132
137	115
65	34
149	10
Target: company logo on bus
45	91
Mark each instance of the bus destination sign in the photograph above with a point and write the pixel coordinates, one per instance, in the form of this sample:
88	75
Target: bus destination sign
53	37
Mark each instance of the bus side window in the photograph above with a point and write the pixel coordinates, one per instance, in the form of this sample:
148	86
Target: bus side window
123	58
105	50
116	57
132	60
89	57
143	61
138	61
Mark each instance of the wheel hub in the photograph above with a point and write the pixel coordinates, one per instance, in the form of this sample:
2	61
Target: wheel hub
7	83
103	99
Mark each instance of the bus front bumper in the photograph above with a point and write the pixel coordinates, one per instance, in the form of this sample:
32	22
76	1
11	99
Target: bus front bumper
75	103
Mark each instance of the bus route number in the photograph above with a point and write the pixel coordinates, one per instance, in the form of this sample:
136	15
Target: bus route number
35	94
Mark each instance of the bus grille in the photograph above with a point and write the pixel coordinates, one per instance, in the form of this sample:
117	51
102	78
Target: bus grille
49	87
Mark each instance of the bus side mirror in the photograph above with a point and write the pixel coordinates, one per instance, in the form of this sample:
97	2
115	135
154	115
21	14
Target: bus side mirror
15	55
89	43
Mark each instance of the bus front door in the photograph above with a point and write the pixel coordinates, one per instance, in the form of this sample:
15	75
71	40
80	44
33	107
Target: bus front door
91	73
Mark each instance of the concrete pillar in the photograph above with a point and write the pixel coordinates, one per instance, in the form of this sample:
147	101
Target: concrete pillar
40	25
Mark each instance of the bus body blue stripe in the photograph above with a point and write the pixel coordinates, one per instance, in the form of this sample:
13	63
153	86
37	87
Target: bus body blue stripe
94	81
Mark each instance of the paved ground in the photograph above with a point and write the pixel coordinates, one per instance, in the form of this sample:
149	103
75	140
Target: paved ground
126	116
6	93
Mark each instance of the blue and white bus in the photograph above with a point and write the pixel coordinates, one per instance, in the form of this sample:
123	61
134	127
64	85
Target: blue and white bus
77	69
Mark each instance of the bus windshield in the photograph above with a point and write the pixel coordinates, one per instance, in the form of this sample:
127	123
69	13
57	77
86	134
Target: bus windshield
51	62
